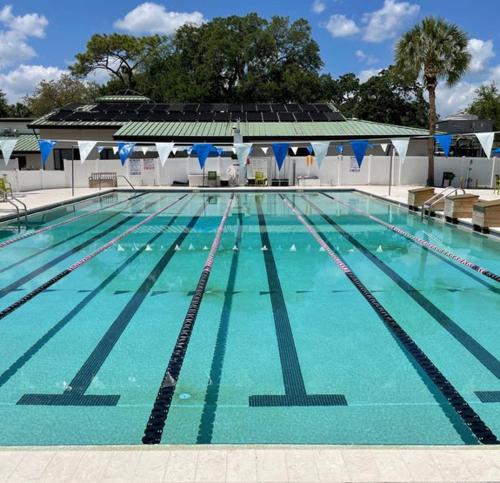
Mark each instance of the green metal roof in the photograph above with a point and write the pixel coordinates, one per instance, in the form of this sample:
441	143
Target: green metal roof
123	99
26	143
352	128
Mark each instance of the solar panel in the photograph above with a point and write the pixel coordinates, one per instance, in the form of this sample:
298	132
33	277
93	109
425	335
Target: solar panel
264	107
176	108
220	107
235	108
222	116
237	116
71	106
323	107
278	107
190	116
161	107
146	107
205	108
318	116
293	108
250	108
270	116
302	116
309	108
157	116
286	117
254	117
334	116
206	116
190	107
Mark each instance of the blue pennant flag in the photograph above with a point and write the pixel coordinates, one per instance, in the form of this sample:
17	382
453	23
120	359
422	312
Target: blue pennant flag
496	151
46	147
310	149
359	149
280	152
203	150
124	151
340	149
444	140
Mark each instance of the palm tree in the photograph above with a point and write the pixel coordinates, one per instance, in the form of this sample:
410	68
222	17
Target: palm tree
437	50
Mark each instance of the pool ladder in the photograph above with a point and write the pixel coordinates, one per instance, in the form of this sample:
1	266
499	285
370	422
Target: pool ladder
127	180
13	200
427	206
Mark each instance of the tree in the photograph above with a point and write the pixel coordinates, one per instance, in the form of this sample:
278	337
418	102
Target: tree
438	50
4	105
120	55
486	104
50	95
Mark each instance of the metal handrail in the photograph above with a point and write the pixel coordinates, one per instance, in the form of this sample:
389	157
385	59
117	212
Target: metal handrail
127	180
449	191
11	202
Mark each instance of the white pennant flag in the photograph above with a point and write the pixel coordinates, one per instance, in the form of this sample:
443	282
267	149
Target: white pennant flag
115	149
144	149
265	150
174	150
7	147
486	139
401	146
85	148
294	150
320	151
384	147
242	152
164	150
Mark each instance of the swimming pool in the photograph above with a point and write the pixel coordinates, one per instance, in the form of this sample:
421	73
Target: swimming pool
233	318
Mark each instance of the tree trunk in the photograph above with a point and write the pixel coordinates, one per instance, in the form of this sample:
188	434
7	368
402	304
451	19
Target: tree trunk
431	87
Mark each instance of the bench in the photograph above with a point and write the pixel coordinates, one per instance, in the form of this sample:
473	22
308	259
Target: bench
459	206
486	214
418	196
99	180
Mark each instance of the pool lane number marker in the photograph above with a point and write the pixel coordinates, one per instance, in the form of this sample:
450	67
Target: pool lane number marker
29	234
293	380
422	243
161	407
74	394
83	261
462	408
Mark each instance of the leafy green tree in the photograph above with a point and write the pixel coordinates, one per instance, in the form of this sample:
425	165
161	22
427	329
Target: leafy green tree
119	55
486	104
50	95
19	109
437	50
4	105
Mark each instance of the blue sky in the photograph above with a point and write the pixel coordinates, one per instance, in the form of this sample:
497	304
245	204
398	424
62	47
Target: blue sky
38	39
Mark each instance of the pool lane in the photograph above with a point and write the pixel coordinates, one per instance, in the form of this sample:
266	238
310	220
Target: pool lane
157	318
337	344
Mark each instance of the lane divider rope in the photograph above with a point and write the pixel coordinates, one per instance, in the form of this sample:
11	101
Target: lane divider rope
471	419
419	241
82	261
158	417
26	235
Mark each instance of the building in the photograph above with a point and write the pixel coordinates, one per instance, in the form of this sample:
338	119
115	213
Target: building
26	154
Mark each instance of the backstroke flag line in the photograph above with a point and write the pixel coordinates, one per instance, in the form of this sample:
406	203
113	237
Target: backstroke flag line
242	152
320	151
202	151
85	148
124	151
164	150
486	139
359	149
401	146
444	140
7	147
280	151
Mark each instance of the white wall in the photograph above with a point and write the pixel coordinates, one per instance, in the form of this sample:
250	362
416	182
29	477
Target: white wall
35	180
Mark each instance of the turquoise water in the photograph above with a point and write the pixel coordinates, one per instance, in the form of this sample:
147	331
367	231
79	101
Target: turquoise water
283	322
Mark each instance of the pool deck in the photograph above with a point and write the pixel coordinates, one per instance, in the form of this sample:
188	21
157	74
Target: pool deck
246	463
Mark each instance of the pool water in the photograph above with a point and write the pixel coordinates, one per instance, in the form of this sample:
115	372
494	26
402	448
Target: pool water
285	349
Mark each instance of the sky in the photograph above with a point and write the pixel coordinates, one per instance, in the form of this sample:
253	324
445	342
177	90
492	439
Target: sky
39	38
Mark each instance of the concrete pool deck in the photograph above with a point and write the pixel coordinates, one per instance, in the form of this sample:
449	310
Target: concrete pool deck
278	464
273	463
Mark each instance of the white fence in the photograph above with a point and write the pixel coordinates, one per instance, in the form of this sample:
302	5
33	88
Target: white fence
335	171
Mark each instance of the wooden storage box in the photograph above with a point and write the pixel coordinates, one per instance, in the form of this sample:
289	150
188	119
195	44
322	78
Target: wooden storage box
459	206
418	196
486	214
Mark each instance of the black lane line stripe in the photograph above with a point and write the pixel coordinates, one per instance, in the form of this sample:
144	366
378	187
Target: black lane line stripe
437	251
65	240
161	407
293	381
462	408
486	358
47	228
205	429
29	276
44	339
74	394
26	298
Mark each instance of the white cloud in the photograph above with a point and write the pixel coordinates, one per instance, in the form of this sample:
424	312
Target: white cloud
450	100
481	52
318	6
386	22
364	57
364	75
152	18
341	26
17	30
21	81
